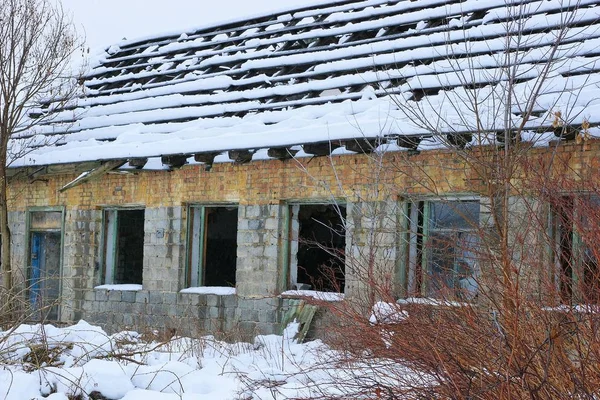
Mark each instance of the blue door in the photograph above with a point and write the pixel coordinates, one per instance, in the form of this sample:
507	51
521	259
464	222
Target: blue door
44	275
35	283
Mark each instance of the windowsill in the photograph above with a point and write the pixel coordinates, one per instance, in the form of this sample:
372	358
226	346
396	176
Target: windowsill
122	287
321	296
217	290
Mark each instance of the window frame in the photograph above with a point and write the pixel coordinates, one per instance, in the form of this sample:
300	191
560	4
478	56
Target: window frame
195	270
576	283
415	270
113	237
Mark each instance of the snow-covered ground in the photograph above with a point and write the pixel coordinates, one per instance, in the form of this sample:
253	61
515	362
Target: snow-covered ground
43	361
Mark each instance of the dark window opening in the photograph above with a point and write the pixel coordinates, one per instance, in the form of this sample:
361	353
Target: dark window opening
124	246
563	234
575	221
221	246
213	246
320	259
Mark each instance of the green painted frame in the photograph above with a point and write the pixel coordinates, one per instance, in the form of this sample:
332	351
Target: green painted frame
405	248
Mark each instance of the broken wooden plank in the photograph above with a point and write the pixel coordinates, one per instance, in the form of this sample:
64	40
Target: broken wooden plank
281	153
92	174
73	168
301	312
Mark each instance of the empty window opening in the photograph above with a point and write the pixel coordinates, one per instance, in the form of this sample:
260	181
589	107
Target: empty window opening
213	250
574	232
562	227
317	251
443	249
124	246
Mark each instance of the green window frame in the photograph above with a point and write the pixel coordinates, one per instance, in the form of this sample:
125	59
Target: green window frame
440	248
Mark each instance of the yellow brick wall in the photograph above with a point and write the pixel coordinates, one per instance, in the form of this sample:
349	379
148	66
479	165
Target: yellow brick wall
269	181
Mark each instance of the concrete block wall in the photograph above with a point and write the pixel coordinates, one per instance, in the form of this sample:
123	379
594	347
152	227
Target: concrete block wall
371	247
259	247
81	265
187	313
164	250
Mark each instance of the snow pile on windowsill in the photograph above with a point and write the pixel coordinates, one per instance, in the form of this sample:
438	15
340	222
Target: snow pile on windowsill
387	313
428	301
218	290
577	308
123	366
322	296
122	287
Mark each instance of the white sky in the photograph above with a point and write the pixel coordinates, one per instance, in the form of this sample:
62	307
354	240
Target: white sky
104	22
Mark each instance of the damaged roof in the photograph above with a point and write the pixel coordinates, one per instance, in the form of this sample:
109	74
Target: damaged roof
392	71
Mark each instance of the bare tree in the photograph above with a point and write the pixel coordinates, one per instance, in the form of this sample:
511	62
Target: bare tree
37	42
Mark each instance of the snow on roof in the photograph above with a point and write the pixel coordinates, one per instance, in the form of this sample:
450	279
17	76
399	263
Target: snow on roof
338	71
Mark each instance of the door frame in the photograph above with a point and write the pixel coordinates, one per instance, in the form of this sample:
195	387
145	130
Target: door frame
28	233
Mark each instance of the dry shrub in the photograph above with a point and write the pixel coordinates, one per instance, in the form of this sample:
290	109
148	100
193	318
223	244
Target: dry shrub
468	352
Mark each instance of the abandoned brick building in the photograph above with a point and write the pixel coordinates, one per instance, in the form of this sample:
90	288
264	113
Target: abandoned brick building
197	174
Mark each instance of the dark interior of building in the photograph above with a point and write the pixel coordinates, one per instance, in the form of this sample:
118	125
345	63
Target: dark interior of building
321	246
221	246
130	247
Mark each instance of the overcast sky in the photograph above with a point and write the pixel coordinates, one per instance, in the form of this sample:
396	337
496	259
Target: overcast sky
104	22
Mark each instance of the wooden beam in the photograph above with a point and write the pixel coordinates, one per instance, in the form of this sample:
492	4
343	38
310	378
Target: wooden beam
362	145
174	161
206	158
138	163
92	174
320	149
281	153
567	132
409	142
241	156
459	140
